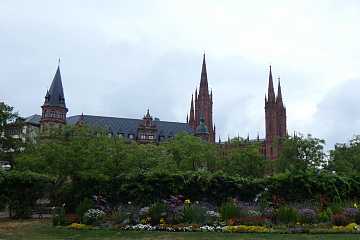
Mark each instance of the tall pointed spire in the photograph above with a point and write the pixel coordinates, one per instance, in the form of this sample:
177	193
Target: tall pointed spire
192	113
55	95
204	80
279	95
271	92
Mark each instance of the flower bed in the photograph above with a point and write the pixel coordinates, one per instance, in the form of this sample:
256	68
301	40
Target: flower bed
179	214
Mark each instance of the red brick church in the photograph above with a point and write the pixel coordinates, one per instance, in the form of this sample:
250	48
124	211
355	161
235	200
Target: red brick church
152	130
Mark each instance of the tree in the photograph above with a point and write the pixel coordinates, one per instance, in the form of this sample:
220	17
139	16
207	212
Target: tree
246	161
345	158
191	153
300	153
9	145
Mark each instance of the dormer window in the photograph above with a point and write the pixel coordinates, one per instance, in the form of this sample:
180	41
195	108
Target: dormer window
131	136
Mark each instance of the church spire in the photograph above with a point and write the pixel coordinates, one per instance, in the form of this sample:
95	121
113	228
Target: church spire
204	80
271	92
192	113
279	95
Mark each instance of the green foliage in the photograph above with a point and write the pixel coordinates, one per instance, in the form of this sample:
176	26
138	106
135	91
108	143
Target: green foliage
345	158
84	205
157	211
191	153
230	211
325	216
194	214
245	161
9	146
286	215
58	217
300	153
20	190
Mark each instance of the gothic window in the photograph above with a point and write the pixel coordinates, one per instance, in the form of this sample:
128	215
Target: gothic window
142	136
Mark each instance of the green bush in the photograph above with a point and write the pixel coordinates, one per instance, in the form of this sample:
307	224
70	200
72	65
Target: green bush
325	216
230	211
286	215
157	211
195	214
58	217
20	190
84	205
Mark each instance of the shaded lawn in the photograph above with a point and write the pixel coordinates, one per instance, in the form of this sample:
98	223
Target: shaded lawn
41	230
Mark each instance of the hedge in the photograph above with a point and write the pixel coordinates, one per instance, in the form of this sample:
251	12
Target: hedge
216	188
21	189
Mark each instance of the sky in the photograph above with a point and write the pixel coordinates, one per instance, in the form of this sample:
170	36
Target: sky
119	58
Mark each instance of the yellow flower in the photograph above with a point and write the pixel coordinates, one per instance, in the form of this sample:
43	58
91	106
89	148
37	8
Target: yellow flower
355	205
187	201
162	221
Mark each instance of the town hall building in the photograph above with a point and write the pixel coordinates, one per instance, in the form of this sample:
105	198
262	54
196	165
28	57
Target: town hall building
199	120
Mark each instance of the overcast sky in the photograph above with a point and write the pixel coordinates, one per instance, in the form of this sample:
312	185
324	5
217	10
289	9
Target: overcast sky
119	58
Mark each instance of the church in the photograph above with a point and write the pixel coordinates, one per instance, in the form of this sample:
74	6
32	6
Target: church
199	120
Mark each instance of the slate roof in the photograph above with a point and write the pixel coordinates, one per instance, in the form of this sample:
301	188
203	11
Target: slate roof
55	95
126	126
33	119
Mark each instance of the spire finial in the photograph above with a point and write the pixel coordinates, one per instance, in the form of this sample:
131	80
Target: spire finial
59	62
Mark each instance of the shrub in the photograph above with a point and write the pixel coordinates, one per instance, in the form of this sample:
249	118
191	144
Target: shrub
229	212
93	216
83	207
307	215
156	212
58	217
325	216
195	214
286	215
20	190
339	220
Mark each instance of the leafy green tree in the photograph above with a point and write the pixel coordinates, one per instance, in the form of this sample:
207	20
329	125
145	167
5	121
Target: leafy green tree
345	158
301	153
246	161
9	145
191	153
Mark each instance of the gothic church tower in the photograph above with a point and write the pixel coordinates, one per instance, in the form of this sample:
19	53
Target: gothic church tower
202	106
275	120
54	108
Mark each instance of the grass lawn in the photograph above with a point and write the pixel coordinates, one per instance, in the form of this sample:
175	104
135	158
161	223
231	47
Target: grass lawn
36	229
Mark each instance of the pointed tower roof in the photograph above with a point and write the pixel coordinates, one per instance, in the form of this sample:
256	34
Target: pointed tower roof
55	95
271	92
192	112
204	80
279	95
